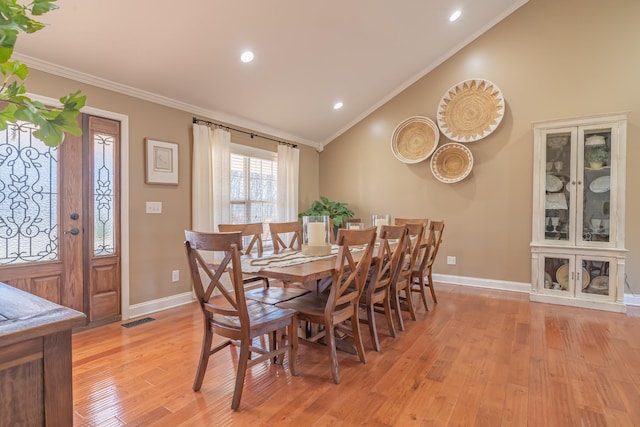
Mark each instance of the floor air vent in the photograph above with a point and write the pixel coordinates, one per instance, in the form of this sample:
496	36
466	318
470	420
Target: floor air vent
138	322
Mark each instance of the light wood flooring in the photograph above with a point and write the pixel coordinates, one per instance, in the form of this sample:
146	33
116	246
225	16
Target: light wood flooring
478	358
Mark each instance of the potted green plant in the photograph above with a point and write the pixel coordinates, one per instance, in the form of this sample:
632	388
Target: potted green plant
337	211
597	156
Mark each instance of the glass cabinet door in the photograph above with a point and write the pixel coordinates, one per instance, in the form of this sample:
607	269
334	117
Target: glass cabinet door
595	276
558	275
594	203
559	147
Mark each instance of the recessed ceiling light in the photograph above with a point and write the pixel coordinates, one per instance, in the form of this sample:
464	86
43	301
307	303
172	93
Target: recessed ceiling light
455	15
337	105
247	56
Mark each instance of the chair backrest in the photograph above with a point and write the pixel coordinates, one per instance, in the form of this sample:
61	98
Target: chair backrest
416	233
391	253
402	221
436	228
350	275
200	246
277	230
252	231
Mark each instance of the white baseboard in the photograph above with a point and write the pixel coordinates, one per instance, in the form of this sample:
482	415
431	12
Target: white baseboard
503	285
630	299
483	283
160	304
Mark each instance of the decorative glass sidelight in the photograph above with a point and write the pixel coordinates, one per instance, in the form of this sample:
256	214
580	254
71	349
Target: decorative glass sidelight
28	197
103	194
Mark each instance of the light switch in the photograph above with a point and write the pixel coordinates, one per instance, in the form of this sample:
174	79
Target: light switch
154	207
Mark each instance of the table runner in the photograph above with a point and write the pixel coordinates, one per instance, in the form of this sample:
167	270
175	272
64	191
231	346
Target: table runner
282	259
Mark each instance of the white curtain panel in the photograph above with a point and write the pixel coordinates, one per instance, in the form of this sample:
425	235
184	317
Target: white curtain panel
210	181
288	163
221	176
201	180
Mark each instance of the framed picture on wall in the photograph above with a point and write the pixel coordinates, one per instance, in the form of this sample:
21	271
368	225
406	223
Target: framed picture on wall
161	162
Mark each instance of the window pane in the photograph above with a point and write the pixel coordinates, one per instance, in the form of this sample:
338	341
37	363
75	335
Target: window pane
253	188
28	197
103	195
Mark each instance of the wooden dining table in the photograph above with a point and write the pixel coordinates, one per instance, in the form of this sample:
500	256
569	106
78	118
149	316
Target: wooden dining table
310	273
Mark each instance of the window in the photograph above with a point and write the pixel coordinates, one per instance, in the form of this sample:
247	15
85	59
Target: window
254	185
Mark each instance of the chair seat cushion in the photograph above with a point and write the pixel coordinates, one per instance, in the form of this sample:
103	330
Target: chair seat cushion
274	295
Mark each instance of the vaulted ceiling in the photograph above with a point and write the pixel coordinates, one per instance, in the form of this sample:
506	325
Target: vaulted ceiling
308	55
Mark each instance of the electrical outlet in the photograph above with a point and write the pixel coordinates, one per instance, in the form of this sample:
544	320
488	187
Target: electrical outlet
154	207
451	260
175	275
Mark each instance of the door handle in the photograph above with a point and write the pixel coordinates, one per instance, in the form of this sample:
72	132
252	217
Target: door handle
74	231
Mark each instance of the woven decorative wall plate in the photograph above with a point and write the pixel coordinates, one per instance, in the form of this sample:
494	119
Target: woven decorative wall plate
470	110
414	139
451	162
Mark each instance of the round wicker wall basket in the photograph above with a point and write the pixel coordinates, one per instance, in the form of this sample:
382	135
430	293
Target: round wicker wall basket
414	139
470	110
452	162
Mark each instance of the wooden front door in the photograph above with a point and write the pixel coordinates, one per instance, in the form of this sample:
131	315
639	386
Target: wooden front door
59	217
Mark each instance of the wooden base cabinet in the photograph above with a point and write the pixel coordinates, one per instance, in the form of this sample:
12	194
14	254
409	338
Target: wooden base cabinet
577	245
35	360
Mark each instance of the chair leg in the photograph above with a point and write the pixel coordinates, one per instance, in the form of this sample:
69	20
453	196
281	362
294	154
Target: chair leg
387	313
371	319
433	291
333	354
205	353
243	362
423	290
409	301
397	309
355	326
265	282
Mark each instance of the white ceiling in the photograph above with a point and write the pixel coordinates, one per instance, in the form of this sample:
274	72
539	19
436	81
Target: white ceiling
308	54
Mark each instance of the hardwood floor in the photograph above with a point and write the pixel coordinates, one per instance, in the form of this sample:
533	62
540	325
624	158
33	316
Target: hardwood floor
478	358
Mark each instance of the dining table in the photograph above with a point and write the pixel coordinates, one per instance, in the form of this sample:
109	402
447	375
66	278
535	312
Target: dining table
294	266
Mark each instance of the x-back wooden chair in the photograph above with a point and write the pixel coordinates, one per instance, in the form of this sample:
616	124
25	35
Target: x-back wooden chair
227	313
402	283
425	269
333	309
253	233
384	269
279	229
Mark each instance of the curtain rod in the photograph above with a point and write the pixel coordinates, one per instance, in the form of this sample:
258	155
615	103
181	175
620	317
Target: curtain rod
251	134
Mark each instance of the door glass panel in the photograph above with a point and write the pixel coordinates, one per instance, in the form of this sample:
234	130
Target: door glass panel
597	175
103	195
595	278
28	197
558	164
556	274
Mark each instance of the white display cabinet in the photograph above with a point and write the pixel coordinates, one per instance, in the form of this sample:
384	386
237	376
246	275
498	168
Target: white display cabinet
577	247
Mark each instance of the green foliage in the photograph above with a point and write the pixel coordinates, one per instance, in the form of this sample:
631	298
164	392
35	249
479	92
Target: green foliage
337	211
52	123
597	154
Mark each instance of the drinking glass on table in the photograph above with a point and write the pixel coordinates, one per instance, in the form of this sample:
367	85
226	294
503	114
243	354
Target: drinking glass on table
378	221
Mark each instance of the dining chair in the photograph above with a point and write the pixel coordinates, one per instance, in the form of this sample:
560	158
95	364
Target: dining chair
228	314
402	221
253	233
402	282
425	268
384	268
279	232
337	309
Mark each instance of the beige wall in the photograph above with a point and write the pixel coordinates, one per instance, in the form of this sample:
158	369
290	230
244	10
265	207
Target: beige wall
551	59
156	240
